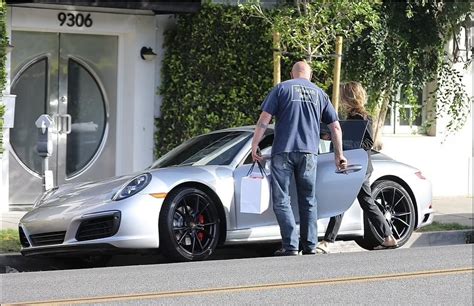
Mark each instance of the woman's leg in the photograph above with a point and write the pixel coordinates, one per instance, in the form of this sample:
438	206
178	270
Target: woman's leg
333	228
372	211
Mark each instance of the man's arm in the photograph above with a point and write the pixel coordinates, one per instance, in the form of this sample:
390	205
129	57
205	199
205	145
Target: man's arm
336	138
262	125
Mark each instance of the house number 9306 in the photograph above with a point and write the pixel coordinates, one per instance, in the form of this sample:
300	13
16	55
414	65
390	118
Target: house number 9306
75	20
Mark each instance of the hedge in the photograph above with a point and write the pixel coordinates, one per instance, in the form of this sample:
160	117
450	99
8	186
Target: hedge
216	72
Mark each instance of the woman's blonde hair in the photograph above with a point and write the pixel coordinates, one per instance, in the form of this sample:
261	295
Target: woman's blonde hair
353	97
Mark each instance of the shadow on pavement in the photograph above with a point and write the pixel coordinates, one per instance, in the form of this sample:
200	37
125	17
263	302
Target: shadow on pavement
14	263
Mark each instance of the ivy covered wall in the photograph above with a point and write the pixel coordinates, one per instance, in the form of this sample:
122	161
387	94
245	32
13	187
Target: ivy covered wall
3	57
216	72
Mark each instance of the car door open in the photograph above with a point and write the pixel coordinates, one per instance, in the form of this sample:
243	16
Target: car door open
337	190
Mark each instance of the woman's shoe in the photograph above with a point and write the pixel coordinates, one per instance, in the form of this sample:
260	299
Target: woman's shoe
389	243
323	247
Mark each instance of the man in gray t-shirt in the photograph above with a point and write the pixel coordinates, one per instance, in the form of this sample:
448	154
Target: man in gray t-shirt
298	107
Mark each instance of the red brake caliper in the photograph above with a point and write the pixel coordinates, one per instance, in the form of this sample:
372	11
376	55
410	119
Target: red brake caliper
201	220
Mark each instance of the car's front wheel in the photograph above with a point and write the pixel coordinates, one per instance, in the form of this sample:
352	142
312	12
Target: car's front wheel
189	225
397	207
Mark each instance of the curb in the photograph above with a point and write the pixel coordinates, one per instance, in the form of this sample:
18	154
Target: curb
440	238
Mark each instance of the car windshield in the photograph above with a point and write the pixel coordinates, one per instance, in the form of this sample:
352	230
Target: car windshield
210	149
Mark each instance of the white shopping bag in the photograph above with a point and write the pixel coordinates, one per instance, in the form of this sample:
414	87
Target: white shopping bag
255	192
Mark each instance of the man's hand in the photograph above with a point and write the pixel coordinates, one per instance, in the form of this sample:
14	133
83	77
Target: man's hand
336	138
255	154
341	162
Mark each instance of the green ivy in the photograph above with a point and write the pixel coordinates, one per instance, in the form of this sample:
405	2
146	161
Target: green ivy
3	57
216	72
406	50
218	64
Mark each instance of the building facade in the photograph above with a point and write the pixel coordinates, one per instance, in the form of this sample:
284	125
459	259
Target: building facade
95	69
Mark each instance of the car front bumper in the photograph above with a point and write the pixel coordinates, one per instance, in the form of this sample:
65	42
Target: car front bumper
89	228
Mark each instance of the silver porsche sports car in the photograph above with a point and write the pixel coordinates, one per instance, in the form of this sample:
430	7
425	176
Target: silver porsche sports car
188	202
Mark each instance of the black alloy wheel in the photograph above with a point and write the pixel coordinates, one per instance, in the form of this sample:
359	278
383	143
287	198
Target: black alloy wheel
397	207
188	225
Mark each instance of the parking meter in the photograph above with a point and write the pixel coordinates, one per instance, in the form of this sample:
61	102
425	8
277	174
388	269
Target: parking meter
44	147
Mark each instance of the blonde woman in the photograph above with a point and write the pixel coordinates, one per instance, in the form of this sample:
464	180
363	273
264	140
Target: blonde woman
353	98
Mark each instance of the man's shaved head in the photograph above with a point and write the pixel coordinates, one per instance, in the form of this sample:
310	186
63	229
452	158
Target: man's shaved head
301	69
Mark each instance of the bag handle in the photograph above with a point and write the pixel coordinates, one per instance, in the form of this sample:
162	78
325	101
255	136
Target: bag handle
260	167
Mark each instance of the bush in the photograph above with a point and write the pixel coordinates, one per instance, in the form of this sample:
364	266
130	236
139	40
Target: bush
9	241
216	72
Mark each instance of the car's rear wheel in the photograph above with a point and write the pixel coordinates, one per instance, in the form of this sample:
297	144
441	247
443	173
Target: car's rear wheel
189	225
397	207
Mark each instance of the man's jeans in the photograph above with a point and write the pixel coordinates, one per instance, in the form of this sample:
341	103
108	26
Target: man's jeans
303	166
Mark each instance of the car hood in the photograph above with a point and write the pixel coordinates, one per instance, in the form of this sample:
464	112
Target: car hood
80	192
102	191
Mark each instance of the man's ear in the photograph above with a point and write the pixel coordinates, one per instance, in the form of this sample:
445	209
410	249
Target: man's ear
291	74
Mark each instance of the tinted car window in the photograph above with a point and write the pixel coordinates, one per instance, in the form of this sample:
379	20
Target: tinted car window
210	149
352	135
266	142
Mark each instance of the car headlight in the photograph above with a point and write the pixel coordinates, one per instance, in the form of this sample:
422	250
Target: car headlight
44	196
134	186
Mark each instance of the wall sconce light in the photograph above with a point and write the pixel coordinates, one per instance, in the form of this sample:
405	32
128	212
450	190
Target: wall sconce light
147	54
9	48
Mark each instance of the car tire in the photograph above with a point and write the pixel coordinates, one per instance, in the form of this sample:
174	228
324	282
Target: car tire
397	207
188	225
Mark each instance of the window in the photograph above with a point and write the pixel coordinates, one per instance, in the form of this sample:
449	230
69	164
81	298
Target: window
404	118
266	142
209	149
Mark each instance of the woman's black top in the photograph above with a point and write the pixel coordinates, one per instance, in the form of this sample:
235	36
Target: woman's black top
368	139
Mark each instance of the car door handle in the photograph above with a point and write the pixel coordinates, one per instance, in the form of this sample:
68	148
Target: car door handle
350	169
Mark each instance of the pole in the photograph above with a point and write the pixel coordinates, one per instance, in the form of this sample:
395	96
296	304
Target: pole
276	59
45	171
337	73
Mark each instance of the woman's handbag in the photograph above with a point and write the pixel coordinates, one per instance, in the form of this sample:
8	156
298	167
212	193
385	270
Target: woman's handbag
255	191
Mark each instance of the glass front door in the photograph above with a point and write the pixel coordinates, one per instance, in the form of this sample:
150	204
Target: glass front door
72	78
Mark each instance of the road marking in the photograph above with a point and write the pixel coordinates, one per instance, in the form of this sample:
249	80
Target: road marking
233	289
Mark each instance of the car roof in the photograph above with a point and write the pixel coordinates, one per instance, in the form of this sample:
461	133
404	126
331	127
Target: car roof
246	128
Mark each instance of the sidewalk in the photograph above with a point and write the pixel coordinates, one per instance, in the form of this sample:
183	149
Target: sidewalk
454	210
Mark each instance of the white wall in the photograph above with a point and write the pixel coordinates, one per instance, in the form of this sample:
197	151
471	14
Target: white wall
447	160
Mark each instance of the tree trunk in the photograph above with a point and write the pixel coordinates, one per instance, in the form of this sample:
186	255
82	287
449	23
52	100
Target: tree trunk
381	113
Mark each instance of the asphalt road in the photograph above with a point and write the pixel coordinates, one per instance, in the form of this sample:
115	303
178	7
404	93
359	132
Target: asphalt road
425	275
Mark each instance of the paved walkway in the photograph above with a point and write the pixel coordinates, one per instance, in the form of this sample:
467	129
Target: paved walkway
454	210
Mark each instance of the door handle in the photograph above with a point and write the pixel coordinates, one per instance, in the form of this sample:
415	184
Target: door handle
61	121
68	123
350	169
